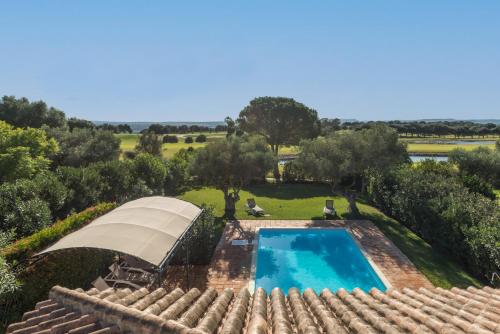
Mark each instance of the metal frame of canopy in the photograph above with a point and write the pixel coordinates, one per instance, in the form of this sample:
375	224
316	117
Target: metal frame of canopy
168	257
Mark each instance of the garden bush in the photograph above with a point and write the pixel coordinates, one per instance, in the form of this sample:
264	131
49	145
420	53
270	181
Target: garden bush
170	139
201	138
445	213
24	248
188	140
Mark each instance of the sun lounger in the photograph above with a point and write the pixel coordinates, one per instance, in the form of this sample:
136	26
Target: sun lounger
134	263
329	209
254	208
101	284
134	275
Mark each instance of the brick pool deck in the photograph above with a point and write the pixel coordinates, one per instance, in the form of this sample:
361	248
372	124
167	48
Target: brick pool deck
231	265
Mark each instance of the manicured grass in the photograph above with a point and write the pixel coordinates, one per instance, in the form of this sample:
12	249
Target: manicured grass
306	201
441	148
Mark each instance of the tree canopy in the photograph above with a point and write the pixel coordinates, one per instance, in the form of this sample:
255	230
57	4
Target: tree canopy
280	120
23	113
23	152
84	146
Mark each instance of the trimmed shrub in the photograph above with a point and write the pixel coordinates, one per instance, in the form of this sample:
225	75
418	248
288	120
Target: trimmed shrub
188	140
170	139
201	138
26	247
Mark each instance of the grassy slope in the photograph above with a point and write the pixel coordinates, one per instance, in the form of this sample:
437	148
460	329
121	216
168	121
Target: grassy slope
297	201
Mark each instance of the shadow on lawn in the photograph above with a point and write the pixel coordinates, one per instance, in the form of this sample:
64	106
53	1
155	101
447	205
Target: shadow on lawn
289	191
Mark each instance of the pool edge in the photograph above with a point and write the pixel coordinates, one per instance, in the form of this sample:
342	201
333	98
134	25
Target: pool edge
255	244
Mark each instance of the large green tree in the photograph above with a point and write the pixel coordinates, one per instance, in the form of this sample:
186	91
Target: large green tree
350	155
81	146
229	165
23	113
483	162
281	121
23	152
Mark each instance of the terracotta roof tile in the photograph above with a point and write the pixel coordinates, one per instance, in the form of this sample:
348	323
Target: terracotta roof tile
426	310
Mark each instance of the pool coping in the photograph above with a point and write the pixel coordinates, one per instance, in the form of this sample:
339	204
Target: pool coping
373	265
233	265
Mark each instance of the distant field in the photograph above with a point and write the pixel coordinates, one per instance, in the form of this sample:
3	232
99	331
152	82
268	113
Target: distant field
441	148
415	145
129	141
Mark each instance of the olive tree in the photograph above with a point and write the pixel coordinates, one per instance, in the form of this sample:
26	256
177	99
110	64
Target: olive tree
281	121
351	155
230	164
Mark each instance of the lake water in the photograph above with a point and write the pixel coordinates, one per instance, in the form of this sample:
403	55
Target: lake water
418	158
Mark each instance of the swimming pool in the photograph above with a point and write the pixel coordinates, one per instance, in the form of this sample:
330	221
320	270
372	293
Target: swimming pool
312	258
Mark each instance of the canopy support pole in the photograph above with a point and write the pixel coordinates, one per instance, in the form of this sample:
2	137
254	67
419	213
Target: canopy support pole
187	265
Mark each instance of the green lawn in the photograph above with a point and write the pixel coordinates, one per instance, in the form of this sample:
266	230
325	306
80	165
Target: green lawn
299	201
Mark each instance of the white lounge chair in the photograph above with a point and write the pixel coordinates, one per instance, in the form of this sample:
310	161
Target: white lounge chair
254	208
101	284
329	209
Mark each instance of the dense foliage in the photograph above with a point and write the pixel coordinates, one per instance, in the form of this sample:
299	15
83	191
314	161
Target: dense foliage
433	128
23	152
23	113
481	162
83	146
439	208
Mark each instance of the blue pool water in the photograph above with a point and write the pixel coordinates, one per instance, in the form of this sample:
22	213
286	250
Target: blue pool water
312	258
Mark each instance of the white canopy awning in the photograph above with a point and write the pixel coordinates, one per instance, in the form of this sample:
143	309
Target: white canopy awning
147	228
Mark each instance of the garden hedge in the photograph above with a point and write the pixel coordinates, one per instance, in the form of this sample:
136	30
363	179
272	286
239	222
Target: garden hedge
28	246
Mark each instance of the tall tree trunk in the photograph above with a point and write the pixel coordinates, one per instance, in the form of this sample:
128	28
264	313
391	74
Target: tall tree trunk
353	208
229	203
276	169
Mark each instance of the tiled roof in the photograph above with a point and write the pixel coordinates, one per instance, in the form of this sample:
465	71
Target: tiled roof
426	310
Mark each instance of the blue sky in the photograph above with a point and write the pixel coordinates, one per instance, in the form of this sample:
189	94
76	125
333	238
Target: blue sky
204	60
